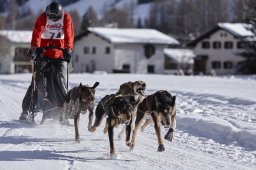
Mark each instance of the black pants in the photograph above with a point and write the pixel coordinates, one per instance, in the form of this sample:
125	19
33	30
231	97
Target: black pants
50	84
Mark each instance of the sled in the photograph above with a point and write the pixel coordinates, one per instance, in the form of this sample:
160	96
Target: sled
44	96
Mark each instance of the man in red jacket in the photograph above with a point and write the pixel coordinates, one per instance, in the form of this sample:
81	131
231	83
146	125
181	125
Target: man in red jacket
53	31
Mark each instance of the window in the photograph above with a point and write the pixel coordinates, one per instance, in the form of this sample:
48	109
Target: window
21	54
149	50
126	67
93	50
223	34
86	50
205	45
216	45
151	69
216	64
228	45
107	50
239	45
228	65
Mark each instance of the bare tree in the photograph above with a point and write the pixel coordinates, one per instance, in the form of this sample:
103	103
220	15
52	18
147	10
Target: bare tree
118	16
2	22
12	15
76	20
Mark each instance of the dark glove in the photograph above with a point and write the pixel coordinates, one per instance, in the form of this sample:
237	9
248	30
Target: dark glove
37	52
67	54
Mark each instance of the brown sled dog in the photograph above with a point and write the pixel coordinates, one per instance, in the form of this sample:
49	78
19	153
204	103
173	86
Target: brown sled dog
118	109
162	109
137	90
79	100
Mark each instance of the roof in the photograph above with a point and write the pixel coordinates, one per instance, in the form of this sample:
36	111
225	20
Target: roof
239	30
17	36
125	35
180	55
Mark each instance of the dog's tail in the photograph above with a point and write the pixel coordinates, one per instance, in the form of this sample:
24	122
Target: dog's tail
95	85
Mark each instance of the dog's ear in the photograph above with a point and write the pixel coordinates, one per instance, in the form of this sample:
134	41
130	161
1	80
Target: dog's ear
80	85
173	100
95	85
130	84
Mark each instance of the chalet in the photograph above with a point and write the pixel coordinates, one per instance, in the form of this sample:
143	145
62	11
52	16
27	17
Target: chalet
116	50
218	49
14	46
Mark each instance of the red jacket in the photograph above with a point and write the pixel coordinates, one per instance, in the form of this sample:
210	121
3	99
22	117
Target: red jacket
59	33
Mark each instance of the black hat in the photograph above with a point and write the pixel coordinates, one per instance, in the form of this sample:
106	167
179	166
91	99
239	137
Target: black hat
54	11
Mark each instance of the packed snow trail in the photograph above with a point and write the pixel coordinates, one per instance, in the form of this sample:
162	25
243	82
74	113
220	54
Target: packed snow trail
214	131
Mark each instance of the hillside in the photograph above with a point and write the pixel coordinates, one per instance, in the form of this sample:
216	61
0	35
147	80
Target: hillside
140	10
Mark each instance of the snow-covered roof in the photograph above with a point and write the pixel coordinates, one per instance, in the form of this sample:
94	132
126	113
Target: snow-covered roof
180	55
125	35
17	36
238	29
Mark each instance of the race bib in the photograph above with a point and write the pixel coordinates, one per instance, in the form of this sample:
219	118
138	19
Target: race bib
53	29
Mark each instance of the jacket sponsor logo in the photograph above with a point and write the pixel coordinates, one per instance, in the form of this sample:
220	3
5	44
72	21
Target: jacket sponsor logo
55	26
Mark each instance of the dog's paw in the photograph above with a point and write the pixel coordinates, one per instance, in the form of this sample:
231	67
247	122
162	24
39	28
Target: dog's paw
92	129
77	140
130	145
113	156
89	127
161	148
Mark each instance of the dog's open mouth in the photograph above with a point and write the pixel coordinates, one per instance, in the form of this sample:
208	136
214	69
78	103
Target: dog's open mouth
141	90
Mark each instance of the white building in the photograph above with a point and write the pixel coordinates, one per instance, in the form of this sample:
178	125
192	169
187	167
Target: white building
121	50
13	49
217	50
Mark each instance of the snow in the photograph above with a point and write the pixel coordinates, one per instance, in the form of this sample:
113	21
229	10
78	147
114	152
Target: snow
132	35
216	127
240	29
17	36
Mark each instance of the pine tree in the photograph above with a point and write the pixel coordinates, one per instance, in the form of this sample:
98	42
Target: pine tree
248	66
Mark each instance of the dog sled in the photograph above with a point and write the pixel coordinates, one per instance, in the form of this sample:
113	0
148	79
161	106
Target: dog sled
48	88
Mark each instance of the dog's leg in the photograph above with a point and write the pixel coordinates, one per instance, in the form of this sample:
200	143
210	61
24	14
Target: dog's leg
120	135
111	140
90	117
105	130
99	115
138	121
76	124
43	118
169	134
158	132
147	122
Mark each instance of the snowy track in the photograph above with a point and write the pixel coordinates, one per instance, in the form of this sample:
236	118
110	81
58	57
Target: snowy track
216	128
